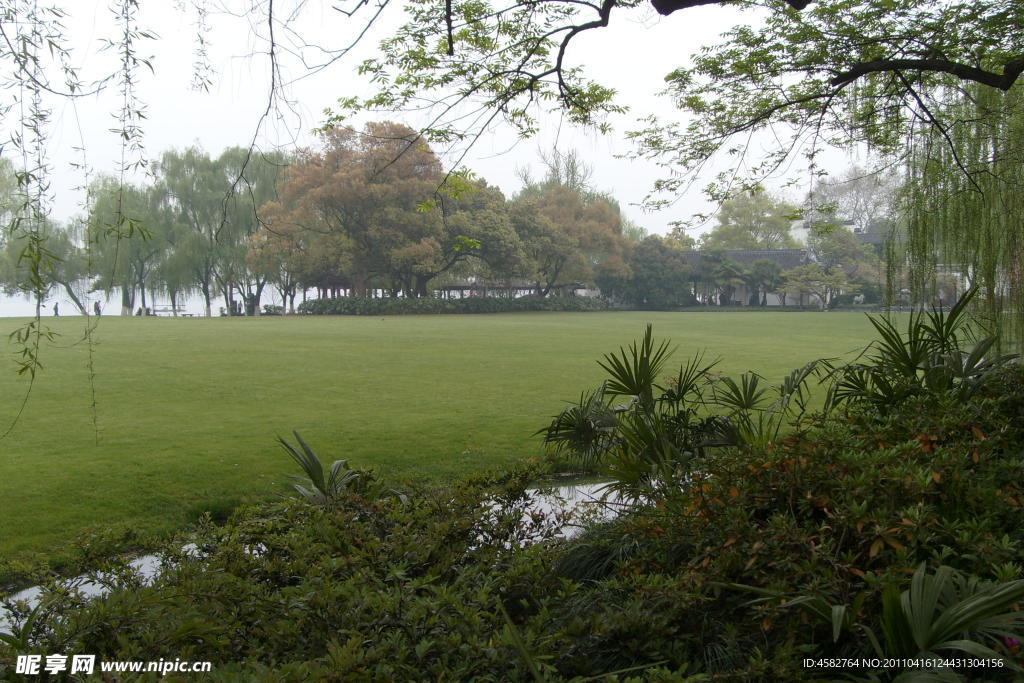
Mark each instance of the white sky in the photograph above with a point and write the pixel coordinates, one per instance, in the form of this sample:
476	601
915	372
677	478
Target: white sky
632	55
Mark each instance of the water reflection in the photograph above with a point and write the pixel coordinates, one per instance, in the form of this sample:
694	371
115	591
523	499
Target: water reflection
585	501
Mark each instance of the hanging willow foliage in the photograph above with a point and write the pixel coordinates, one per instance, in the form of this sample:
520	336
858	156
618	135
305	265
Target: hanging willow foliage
965	207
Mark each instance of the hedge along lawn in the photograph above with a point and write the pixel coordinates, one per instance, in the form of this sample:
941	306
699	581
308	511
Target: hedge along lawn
188	409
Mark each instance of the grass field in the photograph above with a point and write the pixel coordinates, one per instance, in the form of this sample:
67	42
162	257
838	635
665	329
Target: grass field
188	409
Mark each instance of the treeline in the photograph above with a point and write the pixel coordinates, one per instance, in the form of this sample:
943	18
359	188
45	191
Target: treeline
369	211
664	276
373	212
752	249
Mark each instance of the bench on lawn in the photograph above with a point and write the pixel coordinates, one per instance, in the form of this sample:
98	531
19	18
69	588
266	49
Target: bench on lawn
171	310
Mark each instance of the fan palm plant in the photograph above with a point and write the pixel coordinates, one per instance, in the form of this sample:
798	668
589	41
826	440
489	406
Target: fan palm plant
948	611
928	358
586	430
649	443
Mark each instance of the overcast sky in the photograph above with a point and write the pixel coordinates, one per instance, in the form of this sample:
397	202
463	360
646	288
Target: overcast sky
632	55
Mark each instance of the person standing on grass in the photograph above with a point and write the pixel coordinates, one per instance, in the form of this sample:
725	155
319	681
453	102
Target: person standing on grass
56	310
96	307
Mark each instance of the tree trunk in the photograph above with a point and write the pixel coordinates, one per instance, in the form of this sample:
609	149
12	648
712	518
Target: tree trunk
252	300
421	285
74	298
205	288
287	291
229	299
127	301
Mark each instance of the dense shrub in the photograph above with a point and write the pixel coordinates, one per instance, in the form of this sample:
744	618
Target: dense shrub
354	305
849	506
408	587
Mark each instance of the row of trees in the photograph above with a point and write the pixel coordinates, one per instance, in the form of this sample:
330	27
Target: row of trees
189	230
663	275
185	233
928	89
364	212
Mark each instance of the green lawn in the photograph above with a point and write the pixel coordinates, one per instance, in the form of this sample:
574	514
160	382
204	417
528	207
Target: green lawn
188	408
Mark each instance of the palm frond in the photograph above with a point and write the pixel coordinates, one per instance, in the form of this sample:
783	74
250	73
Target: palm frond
320	489
635	371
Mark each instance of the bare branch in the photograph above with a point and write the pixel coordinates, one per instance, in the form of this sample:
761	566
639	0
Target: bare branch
667	7
1003	81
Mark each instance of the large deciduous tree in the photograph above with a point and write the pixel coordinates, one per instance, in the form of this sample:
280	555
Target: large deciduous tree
66	268
280	253
253	178
660	275
965	200
374	187
753	220
844	72
838	248
68	271
196	192
478	224
571	233
567	236
815	279
348	219
833	71
858	197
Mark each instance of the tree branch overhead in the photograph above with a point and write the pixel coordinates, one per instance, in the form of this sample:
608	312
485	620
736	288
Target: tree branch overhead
667	7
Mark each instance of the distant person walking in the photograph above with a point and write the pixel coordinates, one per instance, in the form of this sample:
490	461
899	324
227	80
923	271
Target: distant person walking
56	310
96	307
